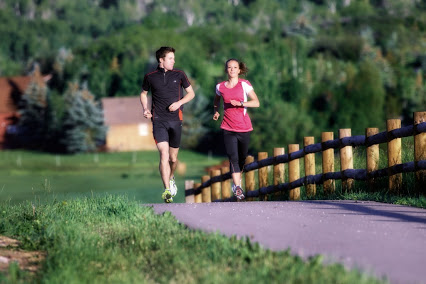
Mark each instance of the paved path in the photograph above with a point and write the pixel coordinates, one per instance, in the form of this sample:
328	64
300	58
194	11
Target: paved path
381	239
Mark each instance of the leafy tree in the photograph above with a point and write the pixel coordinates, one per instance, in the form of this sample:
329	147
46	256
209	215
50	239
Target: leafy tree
363	103
194	121
278	125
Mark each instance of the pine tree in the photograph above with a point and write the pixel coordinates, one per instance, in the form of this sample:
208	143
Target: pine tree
83	123
36	117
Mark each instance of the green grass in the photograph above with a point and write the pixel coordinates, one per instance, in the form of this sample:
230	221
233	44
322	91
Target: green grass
111	239
40	176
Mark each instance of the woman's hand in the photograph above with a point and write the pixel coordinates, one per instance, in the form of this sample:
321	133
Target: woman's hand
236	103
216	115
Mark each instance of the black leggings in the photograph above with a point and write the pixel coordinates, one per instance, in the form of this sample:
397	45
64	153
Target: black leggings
236	145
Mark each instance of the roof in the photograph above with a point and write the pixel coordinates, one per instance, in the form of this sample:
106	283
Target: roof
124	110
11	89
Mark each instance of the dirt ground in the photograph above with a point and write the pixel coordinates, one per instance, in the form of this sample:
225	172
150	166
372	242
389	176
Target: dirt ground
9	252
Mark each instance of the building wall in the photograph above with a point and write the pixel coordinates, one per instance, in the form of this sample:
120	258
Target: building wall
130	137
3	126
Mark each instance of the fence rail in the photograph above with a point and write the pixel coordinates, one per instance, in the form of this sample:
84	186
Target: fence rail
216	187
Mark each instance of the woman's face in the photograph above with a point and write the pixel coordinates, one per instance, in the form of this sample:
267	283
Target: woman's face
233	69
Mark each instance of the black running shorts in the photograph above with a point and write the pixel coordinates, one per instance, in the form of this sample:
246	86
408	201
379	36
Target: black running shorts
167	131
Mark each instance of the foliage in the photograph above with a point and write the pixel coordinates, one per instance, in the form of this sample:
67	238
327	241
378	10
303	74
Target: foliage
320	56
195	118
37	121
114	240
83	122
273	128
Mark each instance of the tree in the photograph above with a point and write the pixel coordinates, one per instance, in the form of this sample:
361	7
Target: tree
83	124
278	125
194	123
363	103
36	122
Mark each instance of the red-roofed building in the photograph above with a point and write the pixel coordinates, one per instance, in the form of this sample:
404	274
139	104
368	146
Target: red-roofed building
11	90
128	129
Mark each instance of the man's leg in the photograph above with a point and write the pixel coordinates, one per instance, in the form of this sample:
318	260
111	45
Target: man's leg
164	167
173	160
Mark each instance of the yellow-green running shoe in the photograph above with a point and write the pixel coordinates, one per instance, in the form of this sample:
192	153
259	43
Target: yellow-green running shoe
167	196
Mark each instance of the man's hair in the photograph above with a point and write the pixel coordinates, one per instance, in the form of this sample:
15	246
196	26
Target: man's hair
162	52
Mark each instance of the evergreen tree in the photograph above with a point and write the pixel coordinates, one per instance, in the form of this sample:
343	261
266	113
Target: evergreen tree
83	123
36	123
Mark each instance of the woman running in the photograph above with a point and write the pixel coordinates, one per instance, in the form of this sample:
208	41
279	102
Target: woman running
236	123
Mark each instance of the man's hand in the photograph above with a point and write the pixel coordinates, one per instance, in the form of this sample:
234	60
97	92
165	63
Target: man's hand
147	114
175	106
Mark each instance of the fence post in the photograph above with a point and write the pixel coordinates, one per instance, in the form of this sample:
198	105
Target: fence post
197	197
215	186
263	174
249	177
420	153
346	160
309	159
225	184
189	184
328	163
206	194
372	157
394	156
294	172
279	169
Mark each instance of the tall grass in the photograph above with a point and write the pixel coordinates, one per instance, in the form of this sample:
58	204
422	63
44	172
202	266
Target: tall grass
112	239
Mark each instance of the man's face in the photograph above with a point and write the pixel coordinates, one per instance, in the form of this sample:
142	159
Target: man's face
168	61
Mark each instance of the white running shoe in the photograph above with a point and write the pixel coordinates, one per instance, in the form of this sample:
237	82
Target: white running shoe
173	187
238	192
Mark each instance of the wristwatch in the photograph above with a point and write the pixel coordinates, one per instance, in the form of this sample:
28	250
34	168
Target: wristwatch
242	103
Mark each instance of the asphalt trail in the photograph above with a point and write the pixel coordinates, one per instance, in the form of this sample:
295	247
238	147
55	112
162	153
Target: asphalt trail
384	240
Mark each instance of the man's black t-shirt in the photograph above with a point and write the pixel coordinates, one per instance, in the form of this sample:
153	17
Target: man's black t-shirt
166	88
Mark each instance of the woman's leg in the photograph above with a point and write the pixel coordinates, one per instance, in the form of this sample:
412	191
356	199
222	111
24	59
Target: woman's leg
243	146
231	147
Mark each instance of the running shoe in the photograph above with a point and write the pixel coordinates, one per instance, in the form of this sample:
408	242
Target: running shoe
173	187
167	196
238	192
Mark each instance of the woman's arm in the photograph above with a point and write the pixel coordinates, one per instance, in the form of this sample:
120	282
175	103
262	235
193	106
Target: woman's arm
216	107
253	102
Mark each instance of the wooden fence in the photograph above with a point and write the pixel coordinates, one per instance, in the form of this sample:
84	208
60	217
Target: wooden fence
217	186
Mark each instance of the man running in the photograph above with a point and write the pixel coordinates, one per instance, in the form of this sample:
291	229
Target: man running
166	86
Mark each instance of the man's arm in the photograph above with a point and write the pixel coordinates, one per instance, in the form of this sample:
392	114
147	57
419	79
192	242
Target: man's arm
189	96
144	102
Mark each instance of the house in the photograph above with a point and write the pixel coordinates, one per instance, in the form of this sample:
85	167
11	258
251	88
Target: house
128	129
11	90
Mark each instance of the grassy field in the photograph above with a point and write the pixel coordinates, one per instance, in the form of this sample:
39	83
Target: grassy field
40	176
112	239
